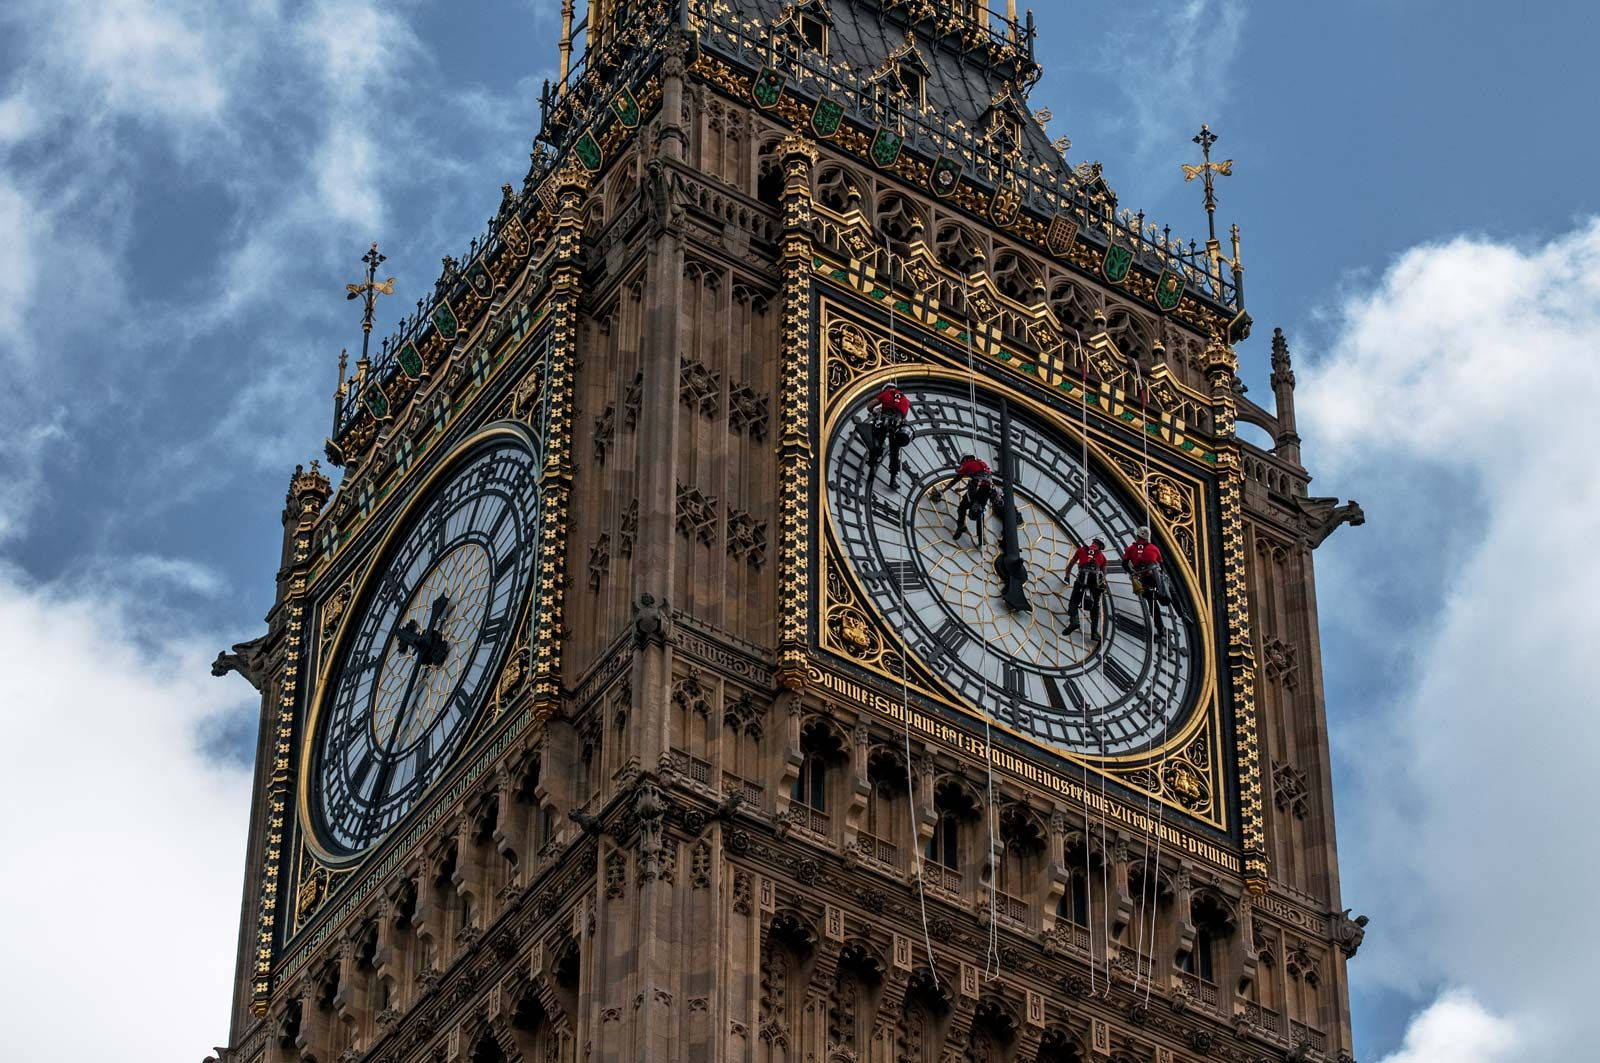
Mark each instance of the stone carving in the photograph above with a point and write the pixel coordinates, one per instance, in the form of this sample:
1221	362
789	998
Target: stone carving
700	866
698	387
748	412
1279	659
633	401
1348	933
628	530
652	621
1289	790
249	659
747	538
688	692
616	874
697	514
605	431
741	892
599	561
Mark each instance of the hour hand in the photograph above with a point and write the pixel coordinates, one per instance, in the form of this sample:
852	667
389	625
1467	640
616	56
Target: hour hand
411	637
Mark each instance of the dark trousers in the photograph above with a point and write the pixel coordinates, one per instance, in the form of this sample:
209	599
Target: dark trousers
975	501
1149	577
1091	584
884	429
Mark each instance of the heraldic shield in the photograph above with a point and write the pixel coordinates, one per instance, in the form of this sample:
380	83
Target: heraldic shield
766	88
1118	260
626	108
826	116
1060	236
1169	289
410	360
946	176
886	147
588	151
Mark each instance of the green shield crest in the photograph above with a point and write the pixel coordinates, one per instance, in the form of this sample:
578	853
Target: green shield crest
767	87
479	280
377	402
1062	233
410	360
886	147
826	116
1169	289
945	177
444	319
626	108
1118	260
588	151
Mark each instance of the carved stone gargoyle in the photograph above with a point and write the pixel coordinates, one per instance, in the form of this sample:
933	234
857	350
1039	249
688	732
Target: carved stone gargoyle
1321	517
1348	933
249	659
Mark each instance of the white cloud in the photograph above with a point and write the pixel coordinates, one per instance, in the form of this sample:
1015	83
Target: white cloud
1456	401
1456	1029
121	870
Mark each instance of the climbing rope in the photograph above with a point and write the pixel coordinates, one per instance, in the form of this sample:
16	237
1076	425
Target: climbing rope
991	958
905	696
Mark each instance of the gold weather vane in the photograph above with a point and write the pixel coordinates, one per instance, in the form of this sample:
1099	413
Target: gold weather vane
369	290
1208	170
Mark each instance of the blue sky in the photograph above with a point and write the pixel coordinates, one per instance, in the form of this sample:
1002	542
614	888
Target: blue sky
185	187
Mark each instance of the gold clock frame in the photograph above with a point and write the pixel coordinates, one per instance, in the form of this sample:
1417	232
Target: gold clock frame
1187	772
372	570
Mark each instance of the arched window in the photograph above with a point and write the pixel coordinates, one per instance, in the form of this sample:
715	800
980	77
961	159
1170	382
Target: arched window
1074	904
954	806
821	751
886	816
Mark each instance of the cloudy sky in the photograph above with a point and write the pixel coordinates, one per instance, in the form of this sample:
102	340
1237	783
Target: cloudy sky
185	186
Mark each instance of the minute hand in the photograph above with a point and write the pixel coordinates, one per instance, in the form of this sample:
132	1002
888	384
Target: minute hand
1009	566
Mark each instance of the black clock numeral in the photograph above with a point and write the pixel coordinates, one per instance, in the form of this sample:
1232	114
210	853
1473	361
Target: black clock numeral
947	449
1014	680
952	635
1120	677
358	777
494	629
1132	626
883	509
905	575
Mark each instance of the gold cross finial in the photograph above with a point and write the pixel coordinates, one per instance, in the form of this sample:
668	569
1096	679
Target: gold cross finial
1206	170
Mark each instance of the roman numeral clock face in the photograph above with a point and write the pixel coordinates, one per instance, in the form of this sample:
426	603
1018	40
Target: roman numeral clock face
1118	694
421	653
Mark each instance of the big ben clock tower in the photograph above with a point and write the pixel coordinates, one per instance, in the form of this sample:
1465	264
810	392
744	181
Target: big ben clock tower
634	696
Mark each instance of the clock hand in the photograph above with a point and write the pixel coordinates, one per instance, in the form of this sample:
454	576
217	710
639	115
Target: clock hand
437	648
386	765
1009	566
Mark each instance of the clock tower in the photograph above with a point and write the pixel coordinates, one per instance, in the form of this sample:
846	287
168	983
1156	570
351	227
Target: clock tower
634	696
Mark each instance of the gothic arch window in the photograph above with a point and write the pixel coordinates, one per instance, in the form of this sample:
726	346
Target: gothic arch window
955	807
1057	1045
838	189
769	175
822	751
957	249
1072	306
992	1031
856	977
901	220
1152	911
1016	277
886	815
1213	923
1130	333
1083	868
1022	846
918	1034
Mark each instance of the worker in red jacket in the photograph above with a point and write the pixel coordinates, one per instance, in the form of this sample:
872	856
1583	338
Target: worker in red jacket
979	494
886	417
1090	562
1143	559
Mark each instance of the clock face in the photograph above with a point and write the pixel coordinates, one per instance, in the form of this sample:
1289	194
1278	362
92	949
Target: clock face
435	622
1119	694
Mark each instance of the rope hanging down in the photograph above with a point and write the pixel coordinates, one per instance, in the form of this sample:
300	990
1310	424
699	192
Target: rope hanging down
991	959
905	695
